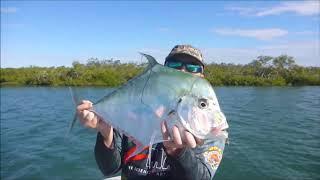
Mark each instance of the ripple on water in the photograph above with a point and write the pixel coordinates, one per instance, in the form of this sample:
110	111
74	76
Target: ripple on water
274	134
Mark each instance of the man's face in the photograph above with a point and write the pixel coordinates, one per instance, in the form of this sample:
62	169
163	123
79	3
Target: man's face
186	65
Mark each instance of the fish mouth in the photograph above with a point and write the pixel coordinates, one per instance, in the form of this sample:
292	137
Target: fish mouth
220	130
216	131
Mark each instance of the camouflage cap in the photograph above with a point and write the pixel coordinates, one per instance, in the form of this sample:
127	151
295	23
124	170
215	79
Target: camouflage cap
186	51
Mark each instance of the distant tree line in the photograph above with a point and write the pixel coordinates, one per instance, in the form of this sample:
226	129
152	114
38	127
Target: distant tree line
262	71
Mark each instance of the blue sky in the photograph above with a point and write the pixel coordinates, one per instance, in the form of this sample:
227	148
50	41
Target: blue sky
57	33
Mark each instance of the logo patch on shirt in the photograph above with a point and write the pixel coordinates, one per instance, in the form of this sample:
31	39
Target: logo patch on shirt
213	156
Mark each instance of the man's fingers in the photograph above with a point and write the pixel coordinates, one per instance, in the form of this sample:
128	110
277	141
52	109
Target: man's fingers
86	101
176	136
190	139
87	118
85	114
179	140
164	130
84	106
199	141
165	135
90	116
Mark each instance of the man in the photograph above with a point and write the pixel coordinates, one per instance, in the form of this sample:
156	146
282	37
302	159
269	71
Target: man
182	157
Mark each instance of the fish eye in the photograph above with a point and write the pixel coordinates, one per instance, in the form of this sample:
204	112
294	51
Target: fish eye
203	103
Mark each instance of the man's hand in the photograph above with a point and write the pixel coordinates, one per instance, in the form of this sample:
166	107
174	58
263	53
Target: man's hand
91	120
179	140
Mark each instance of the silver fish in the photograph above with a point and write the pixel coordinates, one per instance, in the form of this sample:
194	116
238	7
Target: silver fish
161	94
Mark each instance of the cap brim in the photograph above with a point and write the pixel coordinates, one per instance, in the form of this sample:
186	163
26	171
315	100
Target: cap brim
184	58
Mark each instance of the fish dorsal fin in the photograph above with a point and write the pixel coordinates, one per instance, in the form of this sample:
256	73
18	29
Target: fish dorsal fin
151	60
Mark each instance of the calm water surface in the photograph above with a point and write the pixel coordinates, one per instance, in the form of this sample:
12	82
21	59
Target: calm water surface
274	134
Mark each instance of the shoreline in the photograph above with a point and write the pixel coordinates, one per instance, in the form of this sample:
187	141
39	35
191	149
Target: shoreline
103	86
263	71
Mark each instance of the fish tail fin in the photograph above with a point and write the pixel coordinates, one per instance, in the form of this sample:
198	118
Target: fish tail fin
76	101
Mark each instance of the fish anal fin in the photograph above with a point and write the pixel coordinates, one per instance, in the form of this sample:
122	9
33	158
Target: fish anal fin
135	153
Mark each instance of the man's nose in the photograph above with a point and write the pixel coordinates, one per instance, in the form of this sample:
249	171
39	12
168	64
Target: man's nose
183	69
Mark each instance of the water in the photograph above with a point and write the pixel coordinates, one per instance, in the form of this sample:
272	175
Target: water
274	134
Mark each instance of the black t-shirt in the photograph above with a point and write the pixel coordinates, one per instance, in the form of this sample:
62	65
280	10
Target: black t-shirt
190	164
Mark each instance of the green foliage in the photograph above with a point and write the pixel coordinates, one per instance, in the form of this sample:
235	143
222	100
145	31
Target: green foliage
262	71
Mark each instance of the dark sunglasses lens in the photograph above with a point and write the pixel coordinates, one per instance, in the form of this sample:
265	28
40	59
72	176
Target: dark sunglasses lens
175	65
194	68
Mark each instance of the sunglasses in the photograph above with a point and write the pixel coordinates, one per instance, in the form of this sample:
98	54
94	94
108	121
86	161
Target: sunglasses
193	68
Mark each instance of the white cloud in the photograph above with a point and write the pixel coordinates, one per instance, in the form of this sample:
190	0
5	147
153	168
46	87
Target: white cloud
7	10
306	53
306	33
261	34
241	10
304	8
